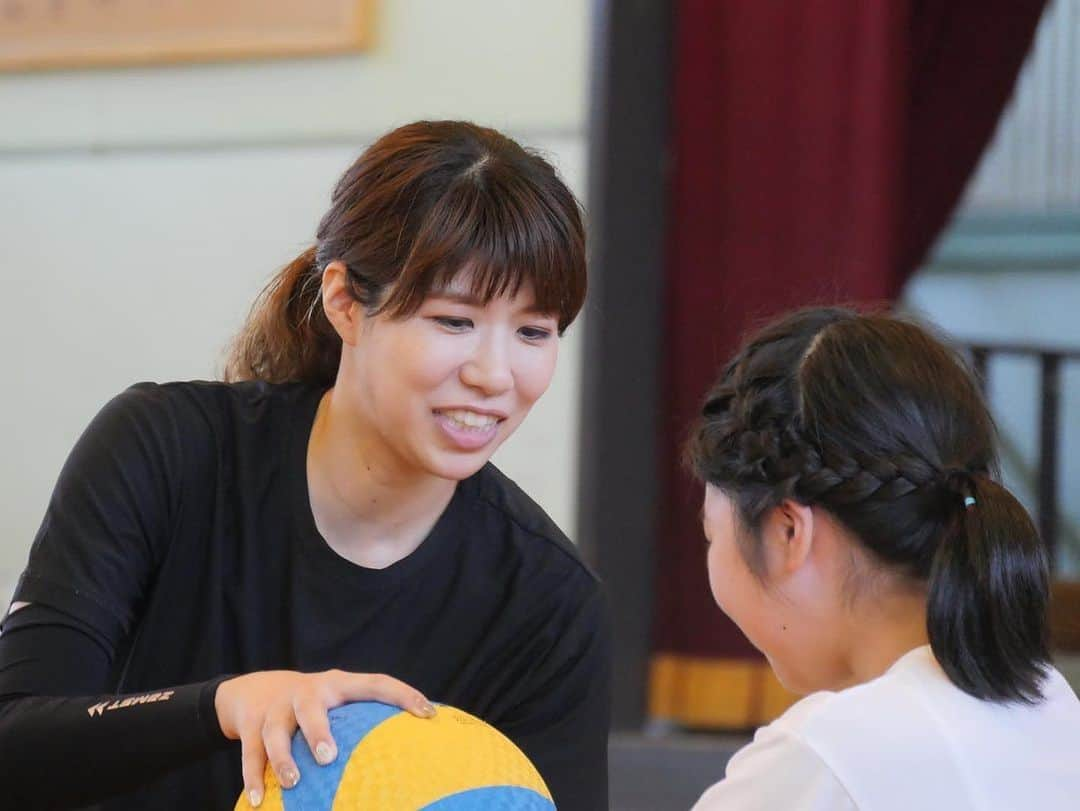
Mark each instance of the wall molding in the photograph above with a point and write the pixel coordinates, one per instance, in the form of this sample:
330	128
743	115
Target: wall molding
1008	242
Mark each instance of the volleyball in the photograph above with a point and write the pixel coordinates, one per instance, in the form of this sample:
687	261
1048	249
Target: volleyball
390	760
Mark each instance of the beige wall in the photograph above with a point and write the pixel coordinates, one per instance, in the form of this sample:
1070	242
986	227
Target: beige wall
142	209
514	64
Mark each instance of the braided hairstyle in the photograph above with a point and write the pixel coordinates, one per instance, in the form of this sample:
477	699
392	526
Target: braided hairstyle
875	420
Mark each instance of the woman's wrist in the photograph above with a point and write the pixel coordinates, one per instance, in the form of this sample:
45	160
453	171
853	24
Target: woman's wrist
210	708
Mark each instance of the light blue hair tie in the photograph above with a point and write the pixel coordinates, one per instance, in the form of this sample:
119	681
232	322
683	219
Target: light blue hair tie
969	501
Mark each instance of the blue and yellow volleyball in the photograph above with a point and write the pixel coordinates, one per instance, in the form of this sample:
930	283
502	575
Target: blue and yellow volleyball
390	760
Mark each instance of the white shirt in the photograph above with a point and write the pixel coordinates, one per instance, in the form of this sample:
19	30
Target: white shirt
910	739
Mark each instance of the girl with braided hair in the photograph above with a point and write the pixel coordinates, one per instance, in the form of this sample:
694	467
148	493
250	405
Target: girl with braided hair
858	536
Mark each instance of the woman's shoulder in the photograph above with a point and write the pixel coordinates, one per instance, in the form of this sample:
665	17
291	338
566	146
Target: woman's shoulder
522	524
217	393
211	401
915	716
187	427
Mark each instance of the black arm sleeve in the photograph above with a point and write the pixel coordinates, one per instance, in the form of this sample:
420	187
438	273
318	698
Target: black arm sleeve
561	714
63	743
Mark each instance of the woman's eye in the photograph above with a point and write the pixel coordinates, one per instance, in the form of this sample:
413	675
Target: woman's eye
534	334
453	323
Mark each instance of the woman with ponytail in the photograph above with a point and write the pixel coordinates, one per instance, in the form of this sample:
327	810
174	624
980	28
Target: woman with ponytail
222	563
858	536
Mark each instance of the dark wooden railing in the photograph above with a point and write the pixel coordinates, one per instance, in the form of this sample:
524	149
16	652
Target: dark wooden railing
1065	597
1050	363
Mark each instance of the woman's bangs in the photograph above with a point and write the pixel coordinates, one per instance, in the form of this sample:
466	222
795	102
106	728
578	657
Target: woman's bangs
503	242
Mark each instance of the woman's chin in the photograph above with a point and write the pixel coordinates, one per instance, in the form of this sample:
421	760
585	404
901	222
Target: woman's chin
457	466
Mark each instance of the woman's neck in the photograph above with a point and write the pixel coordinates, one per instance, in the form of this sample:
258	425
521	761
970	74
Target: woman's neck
370	507
884	627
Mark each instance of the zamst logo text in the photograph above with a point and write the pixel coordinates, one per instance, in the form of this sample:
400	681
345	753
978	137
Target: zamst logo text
130	701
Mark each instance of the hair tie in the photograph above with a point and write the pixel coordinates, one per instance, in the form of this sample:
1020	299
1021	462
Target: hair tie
960	482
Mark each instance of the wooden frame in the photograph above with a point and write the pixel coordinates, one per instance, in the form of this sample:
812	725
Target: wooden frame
52	34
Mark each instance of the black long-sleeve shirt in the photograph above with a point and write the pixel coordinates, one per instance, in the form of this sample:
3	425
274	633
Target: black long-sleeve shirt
179	547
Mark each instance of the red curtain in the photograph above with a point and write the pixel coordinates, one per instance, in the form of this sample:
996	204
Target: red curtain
819	148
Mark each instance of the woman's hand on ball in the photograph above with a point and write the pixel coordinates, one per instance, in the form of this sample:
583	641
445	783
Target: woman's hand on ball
262	710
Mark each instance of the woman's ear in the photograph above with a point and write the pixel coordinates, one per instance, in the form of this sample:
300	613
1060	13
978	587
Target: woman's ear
788	533
343	311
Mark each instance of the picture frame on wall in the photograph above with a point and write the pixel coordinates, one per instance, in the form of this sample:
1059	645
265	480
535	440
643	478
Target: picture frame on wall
63	34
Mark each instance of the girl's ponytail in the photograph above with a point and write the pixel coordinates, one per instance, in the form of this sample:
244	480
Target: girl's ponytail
988	594
287	336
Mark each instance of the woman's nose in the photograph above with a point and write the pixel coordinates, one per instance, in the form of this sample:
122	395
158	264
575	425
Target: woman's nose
489	368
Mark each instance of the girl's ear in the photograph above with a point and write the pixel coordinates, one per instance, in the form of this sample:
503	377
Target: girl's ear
788	537
343	311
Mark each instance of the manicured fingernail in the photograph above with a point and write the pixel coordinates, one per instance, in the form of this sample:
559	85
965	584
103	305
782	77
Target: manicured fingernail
290	777
255	798
425	708
324	752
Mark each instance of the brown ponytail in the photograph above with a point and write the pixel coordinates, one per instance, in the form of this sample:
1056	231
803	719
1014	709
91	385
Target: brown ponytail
287	336
423	203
